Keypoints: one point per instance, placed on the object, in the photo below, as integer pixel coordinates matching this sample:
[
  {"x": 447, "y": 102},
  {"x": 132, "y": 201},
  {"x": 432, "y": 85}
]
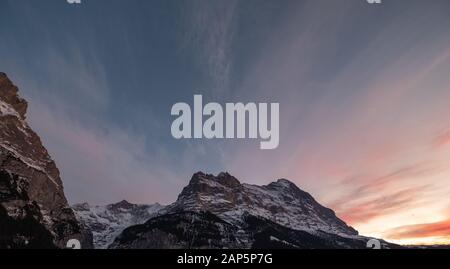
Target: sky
[{"x": 364, "y": 93}]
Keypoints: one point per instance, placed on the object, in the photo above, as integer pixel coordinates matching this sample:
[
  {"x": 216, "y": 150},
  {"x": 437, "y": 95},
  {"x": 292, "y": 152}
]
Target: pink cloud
[
  {"x": 365, "y": 211},
  {"x": 383, "y": 185},
  {"x": 438, "y": 229}
]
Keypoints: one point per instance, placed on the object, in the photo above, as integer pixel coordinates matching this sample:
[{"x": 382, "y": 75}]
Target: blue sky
[{"x": 363, "y": 92}]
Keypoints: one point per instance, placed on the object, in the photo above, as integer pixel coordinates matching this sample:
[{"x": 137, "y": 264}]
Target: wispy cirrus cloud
[
  {"x": 364, "y": 210},
  {"x": 370, "y": 197},
  {"x": 363, "y": 187},
  {"x": 210, "y": 27}
]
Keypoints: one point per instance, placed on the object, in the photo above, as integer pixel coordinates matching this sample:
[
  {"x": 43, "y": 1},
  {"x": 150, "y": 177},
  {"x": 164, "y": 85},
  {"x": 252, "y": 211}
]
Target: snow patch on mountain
[
  {"x": 7, "y": 110},
  {"x": 33, "y": 164}
]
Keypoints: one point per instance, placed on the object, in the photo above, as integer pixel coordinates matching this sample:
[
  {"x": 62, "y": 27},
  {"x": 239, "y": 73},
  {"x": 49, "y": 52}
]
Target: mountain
[
  {"x": 281, "y": 202},
  {"x": 107, "y": 222},
  {"x": 220, "y": 212},
  {"x": 204, "y": 230},
  {"x": 34, "y": 212}
]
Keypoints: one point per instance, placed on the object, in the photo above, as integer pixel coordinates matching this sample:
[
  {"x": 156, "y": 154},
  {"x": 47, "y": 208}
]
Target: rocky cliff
[{"x": 34, "y": 212}]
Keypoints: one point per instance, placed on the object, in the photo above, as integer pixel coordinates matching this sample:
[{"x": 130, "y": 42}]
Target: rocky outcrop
[{"x": 34, "y": 212}]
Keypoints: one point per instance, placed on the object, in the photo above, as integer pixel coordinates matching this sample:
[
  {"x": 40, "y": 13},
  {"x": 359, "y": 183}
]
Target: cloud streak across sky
[{"x": 363, "y": 94}]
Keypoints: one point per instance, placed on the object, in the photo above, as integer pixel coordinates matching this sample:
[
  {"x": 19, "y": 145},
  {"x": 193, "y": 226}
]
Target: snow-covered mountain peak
[{"x": 281, "y": 201}]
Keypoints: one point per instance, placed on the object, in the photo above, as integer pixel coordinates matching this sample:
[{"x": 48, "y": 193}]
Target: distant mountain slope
[
  {"x": 107, "y": 222},
  {"x": 34, "y": 212}
]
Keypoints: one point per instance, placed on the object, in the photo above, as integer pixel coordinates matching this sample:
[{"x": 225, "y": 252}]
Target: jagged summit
[
  {"x": 228, "y": 180},
  {"x": 200, "y": 181}
]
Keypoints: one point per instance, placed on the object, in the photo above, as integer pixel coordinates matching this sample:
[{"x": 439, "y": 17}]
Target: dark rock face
[{"x": 32, "y": 201}]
